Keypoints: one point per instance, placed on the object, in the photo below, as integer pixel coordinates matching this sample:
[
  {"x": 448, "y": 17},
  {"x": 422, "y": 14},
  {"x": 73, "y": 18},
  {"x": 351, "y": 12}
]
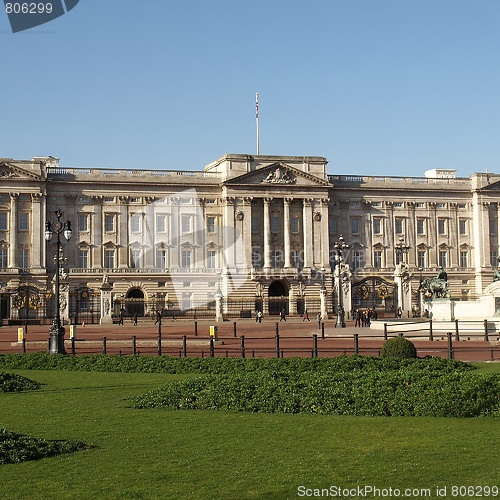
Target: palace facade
[{"x": 246, "y": 233}]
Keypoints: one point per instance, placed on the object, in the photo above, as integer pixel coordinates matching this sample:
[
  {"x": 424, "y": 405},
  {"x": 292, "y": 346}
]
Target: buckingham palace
[{"x": 244, "y": 234}]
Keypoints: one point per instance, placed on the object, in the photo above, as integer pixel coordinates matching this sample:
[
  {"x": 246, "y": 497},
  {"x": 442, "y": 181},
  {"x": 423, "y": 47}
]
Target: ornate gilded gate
[{"x": 375, "y": 293}]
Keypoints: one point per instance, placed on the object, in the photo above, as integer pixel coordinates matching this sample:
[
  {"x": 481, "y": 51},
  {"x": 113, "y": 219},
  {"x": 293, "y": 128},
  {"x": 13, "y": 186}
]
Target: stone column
[
  {"x": 106, "y": 309},
  {"x": 123, "y": 236},
  {"x": 267, "y": 233},
  {"x": 13, "y": 231},
  {"x": 246, "y": 230},
  {"x": 37, "y": 230},
  {"x": 307, "y": 232},
  {"x": 324, "y": 310},
  {"x": 325, "y": 234},
  {"x": 498, "y": 230},
  {"x": 286, "y": 231},
  {"x": 229, "y": 233},
  {"x": 98, "y": 229}
]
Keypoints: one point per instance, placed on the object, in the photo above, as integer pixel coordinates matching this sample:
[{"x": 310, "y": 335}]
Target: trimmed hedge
[
  {"x": 391, "y": 392},
  {"x": 16, "y": 448},
  {"x": 11, "y": 382},
  {"x": 398, "y": 348},
  {"x": 174, "y": 365}
]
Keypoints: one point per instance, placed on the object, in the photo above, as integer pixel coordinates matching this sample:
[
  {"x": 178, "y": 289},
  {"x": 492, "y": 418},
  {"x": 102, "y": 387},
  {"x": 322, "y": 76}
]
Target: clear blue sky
[{"x": 379, "y": 87}]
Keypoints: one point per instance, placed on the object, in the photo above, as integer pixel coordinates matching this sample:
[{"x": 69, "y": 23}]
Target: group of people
[{"x": 363, "y": 318}]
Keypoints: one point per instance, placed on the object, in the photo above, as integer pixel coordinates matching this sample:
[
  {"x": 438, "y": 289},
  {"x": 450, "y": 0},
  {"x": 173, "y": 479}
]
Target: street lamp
[
  {"x": 339, "y": 247},
  {"x": 401, "y": 250},
  {"x": 56, "y": 331}
]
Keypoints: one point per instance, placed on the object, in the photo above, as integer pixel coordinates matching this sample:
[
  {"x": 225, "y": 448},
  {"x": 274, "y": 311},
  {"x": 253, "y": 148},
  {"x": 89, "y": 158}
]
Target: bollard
[
  {"x": 457, "y": 332},
  {"x": 20, "y": 335},
  {"x": 159, "y": 343},
  {"x": 134, "y": 345},
  {"x": 234, "y": 329},
  {"x": 356, "y": 343},
  {"x": 431, "y": 336},
  {"x": 242, "y": 346},
  {"x": 277, "y": 328},
  {"x": 184, "y": 346},
  {"x": 73, "y": 351},
  {"x": 385, "y": 331},
  {"x": 450, "y": 346},
  {"x": 196, "y": 328},
  {"x": 72, "y": 331},
  {"x": 24, "y": 346},
  {"x": 212, "y": 350},
  {"x": 104, "y": 345},
  {"x": 315, "y": 346},
  {"x": 323, "y": 331},
  {"x": 277, "y": 343},
  {"x": 486, "y": 337}
]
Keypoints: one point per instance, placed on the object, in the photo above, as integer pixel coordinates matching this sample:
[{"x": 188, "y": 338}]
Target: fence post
[
  {"x": 315, "y": 346},
  {"x": 184, "y": 346},
  {"x": 234, "y": 329},
  {"x": 242, "y": 346},
  {"x": 73, "y": 346},
  {"x": 323, "y": 331},
  {"x": 212, "y": 351},
  {"x": 159, "y": 342},
  {"x": 385, "y": 331},
  {"x": 104, "y": 345},
  {"x": 277, "y": 328},
  {"x": 356, "y": 343},
  {"x": 431, "y": 336},
  {"x": 196, "y": 328},
  {"x": 457, "y": 332},
  {"x": 277, "y": 340},
  {"x": 134, "y": 345},
  {"x": 486, "y": 337},
  {"x": 24, "y": 345},
  {"x": 450, "y": 346}
]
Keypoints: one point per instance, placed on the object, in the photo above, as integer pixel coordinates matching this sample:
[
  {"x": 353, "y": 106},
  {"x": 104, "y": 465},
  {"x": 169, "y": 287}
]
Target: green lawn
[{"x": 202, "y": 454}]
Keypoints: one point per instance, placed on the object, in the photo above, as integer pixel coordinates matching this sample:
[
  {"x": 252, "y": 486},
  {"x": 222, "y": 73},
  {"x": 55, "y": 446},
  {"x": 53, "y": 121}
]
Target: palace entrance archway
[{"x": 277, "y": 296}]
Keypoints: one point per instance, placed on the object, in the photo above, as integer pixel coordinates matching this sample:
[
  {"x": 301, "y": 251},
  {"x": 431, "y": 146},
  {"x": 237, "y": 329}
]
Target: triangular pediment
[
  {"x": 494, "y": 186},
  {"x": 278, "y": 175},
  {"x": 11, "y": 171}
]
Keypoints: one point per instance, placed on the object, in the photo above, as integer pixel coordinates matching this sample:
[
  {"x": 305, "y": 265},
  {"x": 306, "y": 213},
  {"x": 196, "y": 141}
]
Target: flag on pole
[{"x": 256, "y": 105}]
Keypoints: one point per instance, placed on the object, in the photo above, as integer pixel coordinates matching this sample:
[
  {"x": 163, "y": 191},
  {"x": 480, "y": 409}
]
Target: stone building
[{"x": 246, "y": 233}]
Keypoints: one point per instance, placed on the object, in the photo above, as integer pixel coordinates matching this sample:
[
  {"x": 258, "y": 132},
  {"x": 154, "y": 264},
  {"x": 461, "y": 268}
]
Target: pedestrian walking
[
  {"x": 120, "y": 316},
  {"x": 305, "y": 316},
  {"x": 318, "y": 317},
  {"x": 357, "y": 317},
  {"x": 283, "y": 315},
  {"x": 135, "y": 319}
]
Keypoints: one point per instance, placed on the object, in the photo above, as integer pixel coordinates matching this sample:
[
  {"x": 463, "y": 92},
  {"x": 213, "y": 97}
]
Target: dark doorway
[
  {"x": 278, "y": 297},
  {"x": 135, "y": 302}
]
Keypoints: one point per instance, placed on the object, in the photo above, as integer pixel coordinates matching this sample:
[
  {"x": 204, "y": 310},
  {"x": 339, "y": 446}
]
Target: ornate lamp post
[
  {"x": 401, "y": 274},
  {"x": 401, "y": 250},
  {"x": 339, "y": 248},
  {"x": 56, "y": 331}
]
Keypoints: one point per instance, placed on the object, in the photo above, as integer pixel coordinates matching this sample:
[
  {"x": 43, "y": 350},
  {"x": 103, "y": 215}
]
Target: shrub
[
  {"x": 398, "y": 348},
  {"x": 11, "y": 382}
]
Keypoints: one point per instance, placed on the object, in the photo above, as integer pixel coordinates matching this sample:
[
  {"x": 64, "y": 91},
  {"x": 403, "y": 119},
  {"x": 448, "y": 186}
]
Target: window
[
  {"x": 295, "y": 260},
  {"x": 109, "y": 258},
  {"x": 357, "y": 259},
  {"x": 377, "y": 225},
  {"x": 399, "y": 225},
  {"x": 135, "y": 258},
  {"x": 462, "y": 226},
  {"x": 493, "y": 258},
  {"x": 355, "y": 225},
  {"x": 161, "y": 258},
  {"x": 493, "y": 225},
  {"x": 83, "y": 258},
  {"x": 255, "y": 224},
  {"x": 441, "y": 205},
  {"x": 24, "y": 221},
  {"x": 295, "y": 224},
  {"x": 186, "y": 259},
  {"x": 420, "y": 204},
  {"x": 255, "y": 258},
  {"x": 211, "y": 255},
  {"x": 420, "y": 226},
  {"x": 275, "y": 224},
  {"x": 211, "y": 224},
  {"x": 443, "y": 258},
  {"x": 276, "y": 258},
  {"x": 3, "y": 221},
  {"x": 24, "y": 258},
  {"x": 398, "y": 204},
  {"x": 161, "y": 223},
  {"x": 332, "y": 222},
  {"x": 3, "y": 258},
  {"x": 422, "y": 258},
  {"x": 83, "y": 222},
  {"x": 464, "y": 258},
  {"x": 109, "y": 223},
  {"x": 135, "y": 223},
  {"x": 377, "y": 259},
  {"x": 442, "y": 227},
  {"x": 186, "y": 224}
]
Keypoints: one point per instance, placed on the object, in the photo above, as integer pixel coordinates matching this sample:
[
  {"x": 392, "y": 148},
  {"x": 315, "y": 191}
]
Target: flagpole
[{"x": 257, "y": 119}]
